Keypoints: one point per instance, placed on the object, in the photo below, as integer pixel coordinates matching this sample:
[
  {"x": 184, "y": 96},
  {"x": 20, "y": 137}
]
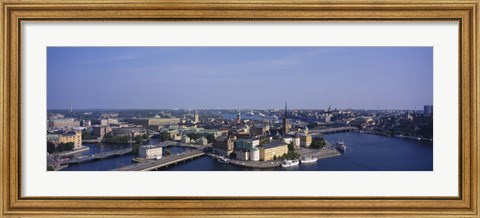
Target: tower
[
  {"x": 286, "y": 125},
  {"x": 239, "y": 118},
  {"x": 196, "y": 118}
]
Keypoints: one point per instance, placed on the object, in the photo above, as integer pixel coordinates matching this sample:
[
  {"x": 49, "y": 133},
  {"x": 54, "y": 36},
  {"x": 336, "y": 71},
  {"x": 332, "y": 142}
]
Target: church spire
[{"x": 286, "y": 127}]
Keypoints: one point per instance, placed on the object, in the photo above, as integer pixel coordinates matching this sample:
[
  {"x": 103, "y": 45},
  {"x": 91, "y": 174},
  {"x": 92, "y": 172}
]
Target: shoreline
[
  {"x": 317, "y": 153},
  {"x": 397, "y": 136}
]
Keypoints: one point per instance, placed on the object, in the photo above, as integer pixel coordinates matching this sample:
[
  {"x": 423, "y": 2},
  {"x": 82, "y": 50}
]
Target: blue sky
[{"x": 239, "y": 77}]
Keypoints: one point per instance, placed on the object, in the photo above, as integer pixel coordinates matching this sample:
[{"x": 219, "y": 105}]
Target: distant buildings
[
  {"x": 129, "y": 131},
  {"x": 150, "y": 152},
  {"x": 239, "y": 118},
  {"x": 132, "y": 131},
  {"x": 101, "y": 131},
  {"x": 55, "y": 116},
  {"x": 196, "y": 119},
  {"x": 153, "y": 123},
  {"x": 108, "y": 122},
  {"x": 259, "y": 129},
  {"x": 63, "y": 123},
  {"x": 428, "y": 109}
]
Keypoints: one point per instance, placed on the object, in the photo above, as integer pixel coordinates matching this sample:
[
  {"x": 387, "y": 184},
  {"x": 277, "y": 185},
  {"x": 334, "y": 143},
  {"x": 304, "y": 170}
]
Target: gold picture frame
[{"x": 14, "y": 13}]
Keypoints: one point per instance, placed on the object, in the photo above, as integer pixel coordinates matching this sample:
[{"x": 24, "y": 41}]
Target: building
[
  {"x": 150, "y": 152},
  {"x": 239, "y": 118},
  {"x": 224, "y": 145},
  {"x": 101, "y": 131},
  {"x": 196, "y": 118},
  {"x": 294, "y": 140},
  {"x": 53, "y": 138},
  {"x": 242, "y": 154},
  {"x": 428, "y": 109},
  {"x": 73, "y": 137},
  {"x": 63, "y": 123},
  {"x": 259, "y": 130},
  {"x": 108, "y": 122},
  {"x": 247, "y": 143},
  {"x": 272, "y": 149},
  {"x": 159, "y": 122},
  {"x": 202, "y": 141},
  {"x": 85, "y": 123},
  {"x": 129, "y": 131},
  {"x": 55, "y": 116},
  {"x": 305, "y": 139},
  {"x": 185, "y": 139},
  {"x": 254, "y": 154},
  {"x": 286, "y": 124}
]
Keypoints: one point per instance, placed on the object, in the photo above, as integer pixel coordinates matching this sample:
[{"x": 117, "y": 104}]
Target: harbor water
[{"x": 365, "y": 152}]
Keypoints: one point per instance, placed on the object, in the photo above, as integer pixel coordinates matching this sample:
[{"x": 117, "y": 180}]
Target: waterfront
[{"x": 366, "y": 152}]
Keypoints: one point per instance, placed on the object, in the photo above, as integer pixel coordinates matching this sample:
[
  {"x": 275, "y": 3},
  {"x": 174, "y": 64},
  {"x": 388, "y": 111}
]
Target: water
[
  {"x": 104, "y": 164},
  {"x": 365, "y": 152},
  {"x": 112, "y": 162}
]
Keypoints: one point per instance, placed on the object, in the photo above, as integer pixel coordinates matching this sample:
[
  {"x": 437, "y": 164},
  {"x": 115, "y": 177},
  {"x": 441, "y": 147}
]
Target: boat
[
  {"x": 308, "y": 159},
  {"x": 340, "y": 145},
  {"x": 223, "y": 160},
  {"x": 139, "y": 159},
  {"x": 290, "y": 163}
]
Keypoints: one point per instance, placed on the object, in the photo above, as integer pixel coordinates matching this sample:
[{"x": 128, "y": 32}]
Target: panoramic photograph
[{"x": 239, "y": 108}]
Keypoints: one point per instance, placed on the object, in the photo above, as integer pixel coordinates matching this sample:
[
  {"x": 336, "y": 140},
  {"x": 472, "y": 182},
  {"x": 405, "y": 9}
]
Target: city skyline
[{"x": 393, "y": 78}]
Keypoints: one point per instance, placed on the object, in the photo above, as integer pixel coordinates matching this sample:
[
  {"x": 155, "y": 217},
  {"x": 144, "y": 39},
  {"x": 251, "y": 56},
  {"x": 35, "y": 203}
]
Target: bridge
[
  {"x": 166, "y": 144},
  {"x": 163, "y": 162},
  {"x": 91, "y": 141},
  {"x": 333, "y": 130},
  {"x": 96, "y": 156}
]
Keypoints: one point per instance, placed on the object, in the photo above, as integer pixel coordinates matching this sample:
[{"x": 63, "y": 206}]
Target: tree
[
  {"x": 210, "y": 138},
  {"x": 194, "y": 136},
  {"x": 50, "y": 147},
  {"x": 65, "y": 147},
  {"x": 50, "y": 168},
  {"x": 164, "y": 136},
  {"x": 168, "y": 152},
  {"x": 135, "y": 149},
  {"x": 318, "y": 143},
  {"x": 275, "y": 157},
  {"x": 138, "y": 139},
  {"x": 291, "y": 147},
  {"x": 87, "y": 134}
]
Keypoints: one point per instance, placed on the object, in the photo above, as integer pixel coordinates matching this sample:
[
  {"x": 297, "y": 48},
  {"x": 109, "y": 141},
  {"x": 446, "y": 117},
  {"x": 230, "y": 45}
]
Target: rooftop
[{"x": 273, "y": 144}]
